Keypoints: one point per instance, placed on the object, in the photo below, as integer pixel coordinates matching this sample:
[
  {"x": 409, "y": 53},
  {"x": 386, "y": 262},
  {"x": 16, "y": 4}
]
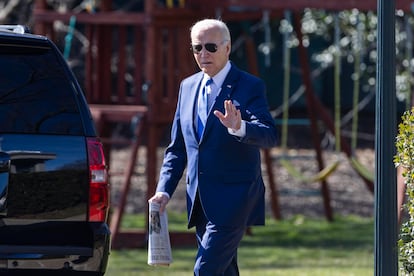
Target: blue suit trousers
[{"x": 217, "y": 247}]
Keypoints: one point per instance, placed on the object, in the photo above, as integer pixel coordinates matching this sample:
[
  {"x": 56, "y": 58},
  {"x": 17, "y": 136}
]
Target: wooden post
[{"x": 310, "y": 104}]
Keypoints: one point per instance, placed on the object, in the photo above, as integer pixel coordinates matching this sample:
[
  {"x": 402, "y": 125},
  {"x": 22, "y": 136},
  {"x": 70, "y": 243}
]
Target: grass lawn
[{"x": 292, "y": 247}]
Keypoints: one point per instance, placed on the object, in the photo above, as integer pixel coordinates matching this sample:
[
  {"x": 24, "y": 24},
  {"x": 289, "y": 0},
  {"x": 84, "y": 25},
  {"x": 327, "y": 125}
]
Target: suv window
[{"x": 35, "y": 96}]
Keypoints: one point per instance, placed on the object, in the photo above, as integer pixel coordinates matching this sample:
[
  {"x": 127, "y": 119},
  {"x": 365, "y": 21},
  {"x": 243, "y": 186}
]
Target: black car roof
[{"x": 10, "y": 35}]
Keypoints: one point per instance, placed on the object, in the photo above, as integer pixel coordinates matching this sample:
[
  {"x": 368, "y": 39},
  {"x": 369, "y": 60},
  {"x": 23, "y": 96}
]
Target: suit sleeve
[
  {"x": 260, "y": 127},
  {"x": 175, "y": 158}
]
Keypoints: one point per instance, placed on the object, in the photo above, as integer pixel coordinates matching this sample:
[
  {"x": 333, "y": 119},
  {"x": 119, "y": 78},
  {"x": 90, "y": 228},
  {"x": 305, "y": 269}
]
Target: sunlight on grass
[{"x": 292, "y": 247}]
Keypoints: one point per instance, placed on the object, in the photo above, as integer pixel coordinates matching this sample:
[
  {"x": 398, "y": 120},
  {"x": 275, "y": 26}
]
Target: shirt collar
[{"x": 220, "y": 76}]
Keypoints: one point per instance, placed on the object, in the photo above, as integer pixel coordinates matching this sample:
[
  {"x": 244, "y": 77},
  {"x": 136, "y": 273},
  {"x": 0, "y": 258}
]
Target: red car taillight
[{"x": 98, "y": 182}]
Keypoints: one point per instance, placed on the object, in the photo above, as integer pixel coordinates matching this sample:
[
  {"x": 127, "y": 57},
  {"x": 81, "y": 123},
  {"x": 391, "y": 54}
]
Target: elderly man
[{"x": 221, "y": 122}]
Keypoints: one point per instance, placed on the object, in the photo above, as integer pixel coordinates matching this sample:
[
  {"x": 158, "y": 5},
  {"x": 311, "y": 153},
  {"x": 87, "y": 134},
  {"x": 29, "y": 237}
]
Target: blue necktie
[{"x": 203, "y": 107}]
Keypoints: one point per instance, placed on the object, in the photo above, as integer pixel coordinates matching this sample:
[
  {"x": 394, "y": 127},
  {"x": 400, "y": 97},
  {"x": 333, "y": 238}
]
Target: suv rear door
[{"x": 45, "y": 177}]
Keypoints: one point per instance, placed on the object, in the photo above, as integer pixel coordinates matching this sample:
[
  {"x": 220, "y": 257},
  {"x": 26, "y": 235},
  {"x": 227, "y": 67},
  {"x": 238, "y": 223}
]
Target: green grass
[{"x": 292, "y": 247}]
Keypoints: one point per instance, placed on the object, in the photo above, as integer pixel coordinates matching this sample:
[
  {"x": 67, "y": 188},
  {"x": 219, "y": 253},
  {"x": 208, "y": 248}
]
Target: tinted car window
[{"x": 35, "y": 95}]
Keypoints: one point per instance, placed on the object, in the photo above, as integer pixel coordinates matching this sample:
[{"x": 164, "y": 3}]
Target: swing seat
[
  {"x": 361, "y": 170},
  {"x": 320, "y": 176}
]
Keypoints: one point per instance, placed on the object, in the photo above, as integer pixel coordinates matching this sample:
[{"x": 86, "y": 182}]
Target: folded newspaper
[{"x": 159, "y": 246}]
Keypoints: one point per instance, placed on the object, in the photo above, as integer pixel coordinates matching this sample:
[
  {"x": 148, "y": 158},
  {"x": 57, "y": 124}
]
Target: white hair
[{"x": 211, "y": 24}]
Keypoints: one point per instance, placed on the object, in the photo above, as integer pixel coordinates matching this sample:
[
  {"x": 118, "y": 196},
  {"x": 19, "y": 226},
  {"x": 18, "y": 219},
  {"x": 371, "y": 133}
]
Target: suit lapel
[
  {"x": 193, "y": 100},
  {"x": 227, "y": 89},
  {"x": 228, "y": 86}
]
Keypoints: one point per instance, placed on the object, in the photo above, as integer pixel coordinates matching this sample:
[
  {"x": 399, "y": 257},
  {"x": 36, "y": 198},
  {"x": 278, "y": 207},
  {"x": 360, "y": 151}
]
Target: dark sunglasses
[{"x": 211, "y": 47}]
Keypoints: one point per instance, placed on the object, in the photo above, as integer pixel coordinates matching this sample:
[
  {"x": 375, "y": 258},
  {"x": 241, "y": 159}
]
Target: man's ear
[{"x": 228, "y": 48}]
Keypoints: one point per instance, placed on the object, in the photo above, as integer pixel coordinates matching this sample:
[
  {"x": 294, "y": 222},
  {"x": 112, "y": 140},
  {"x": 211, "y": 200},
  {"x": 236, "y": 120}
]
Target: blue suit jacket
[{"x": 224, "y": 168}]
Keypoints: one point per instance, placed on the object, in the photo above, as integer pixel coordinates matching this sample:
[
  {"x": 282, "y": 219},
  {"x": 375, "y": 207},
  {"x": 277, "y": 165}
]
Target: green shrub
[{"x": 404, "y": 159}]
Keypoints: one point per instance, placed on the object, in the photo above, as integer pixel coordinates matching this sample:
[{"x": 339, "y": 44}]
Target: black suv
[{"x": 54, "y": 192}]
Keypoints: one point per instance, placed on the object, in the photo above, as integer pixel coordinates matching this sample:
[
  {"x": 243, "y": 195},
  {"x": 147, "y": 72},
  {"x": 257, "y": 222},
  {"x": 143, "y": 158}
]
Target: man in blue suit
[{"x": 220, "y": 147}]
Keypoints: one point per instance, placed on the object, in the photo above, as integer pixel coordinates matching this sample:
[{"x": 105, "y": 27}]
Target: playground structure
[{"x": 161, "y": 59}]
